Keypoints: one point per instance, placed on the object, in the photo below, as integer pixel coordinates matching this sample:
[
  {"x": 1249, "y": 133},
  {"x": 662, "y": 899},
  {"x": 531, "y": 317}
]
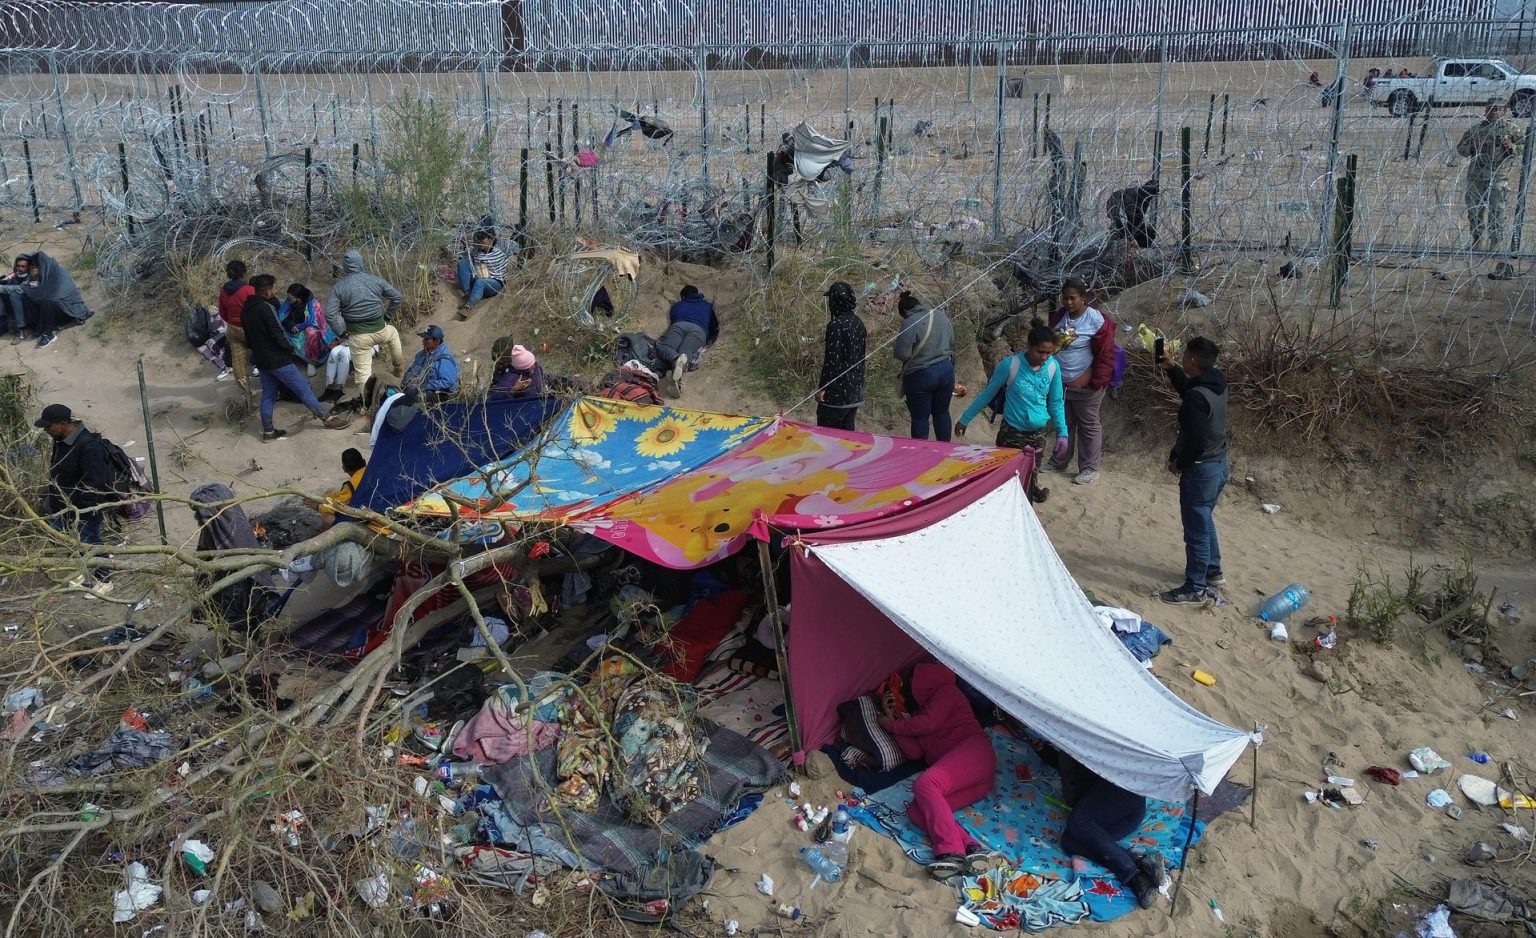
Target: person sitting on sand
[
  {"x": 482, "y": 271},
  {"x": 517, "y": 373},
  {"x": 21, "y": 276},
  {"x": 354, "y": 465},
  {"x": 273, "y": 355},
  {"x": 304, "y": 318},
  {"x": 1102, "y": 815},
  {"x": 434, "y": 372},
  {"x": 961, "y": 763}
]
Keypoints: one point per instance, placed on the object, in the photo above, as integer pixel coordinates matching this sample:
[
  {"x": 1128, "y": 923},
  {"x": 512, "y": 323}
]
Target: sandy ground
[{"x": 1301, "y": 872}]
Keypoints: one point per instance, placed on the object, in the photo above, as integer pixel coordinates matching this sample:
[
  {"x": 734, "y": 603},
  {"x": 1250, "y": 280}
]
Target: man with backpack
[{"x": 82, "y": 476}]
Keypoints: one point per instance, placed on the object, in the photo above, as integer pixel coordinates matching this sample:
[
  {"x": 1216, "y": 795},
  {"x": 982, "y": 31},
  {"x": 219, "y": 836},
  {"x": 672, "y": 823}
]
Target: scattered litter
[
  {"x": 1311, "y": 796},
  {"x": 1271, "y": 508},
  {"x": 1453, "y": 812},
  {"x": 140, "y": 894},
  {"x": 1426, "y": 760},
  {"x": 1410, "y": 774},
  {"x": 1370, "y": 843},
  {"x": 794, "y": 789},
  {"x": 765, "y": 884},
  {"x": 1216, "y": 910},
  {"x": 1509, "y": 713},
  {"x": 1439, "y": 798},
  {"x": 1474, "y": 667},
  {"x": 1340, "y": 781},
  {"x": 199, "y": 896},
  {"x": 253, "y": 922},
  {"x": 1194, "y": 299},
  {"x": 1278, "y": 632},
  {"x": 1202, "y": 677},
  {"x": 785, "y": 910},
  {"x": 28, "y": 698},
  {"x": 1480, "y": 853},
  {"x": 1480, "y": 791},
  {"x": 1328, "y": 639},
  {"x": 1481, "y": 758},
  {"x": 966, "y": 917},
  {"x": 1516, "y": 831},
  {"x": 265, "y": 897},
  {"x": 732, "y": 926},
  {"x": 1436, "y": 924},
  {"x": 197, "y": 855},
  {"x": 1385, "y": 774},
  {"x": 374, "y": 890},
  {"x": 1510, "y": 613}
]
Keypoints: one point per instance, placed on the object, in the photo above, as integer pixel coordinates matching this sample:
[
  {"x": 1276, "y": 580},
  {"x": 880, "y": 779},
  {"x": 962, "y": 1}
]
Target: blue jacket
[
  {"x": 700, "y": 312},
  {"x": 437, "y": 370},
  {"x": 1033, "y": 401}
]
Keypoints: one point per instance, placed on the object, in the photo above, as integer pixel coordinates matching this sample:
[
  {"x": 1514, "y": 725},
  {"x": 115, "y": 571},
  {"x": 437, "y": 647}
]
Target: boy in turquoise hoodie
[{"x": 1032, "y": 401}]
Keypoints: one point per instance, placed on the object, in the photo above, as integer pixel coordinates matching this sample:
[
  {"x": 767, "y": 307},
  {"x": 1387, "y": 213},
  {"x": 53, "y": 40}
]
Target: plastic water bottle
[
  {"x": 842, "y": 826},
  {"x": 1285, "y": 603},
  {"x": 822, "y": 865}
]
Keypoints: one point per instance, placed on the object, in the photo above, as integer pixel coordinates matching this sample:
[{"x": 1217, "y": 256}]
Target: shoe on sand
[
  {"x": 946, "y": 865},
  {"x": 337, "y": 422},
  {"x": 270, "y": 436},
  {"x": 1183, "y": 596},
  {"x": 1085, "y": 477}
]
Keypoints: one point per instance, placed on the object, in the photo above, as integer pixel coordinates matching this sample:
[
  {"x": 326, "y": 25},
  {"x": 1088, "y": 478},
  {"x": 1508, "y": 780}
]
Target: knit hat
[{"x": 521, "y": 359}]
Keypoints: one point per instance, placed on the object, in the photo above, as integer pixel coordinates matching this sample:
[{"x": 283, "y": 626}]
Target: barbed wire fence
[{"x": 171, "y": 112}]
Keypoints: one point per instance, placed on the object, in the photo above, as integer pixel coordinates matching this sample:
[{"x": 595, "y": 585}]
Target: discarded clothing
[
  {"x": 502, "y": 730},
  {"x": 1145, "y": 644},
  {"x": 125, "y": 748},
  {"x": 347, "y": 563},
  {"x": 224, "y": 526}
]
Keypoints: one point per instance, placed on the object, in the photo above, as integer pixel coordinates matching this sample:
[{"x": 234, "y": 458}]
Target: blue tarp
[{"x": 446, "y": 442}]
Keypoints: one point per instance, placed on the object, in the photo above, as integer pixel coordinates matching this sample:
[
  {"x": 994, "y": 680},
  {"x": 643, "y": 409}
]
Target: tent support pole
[
  {"x": 1178, "y": 883},
  {"x": 1253, "y": 799},
  {"x": 780, "y": 651}
]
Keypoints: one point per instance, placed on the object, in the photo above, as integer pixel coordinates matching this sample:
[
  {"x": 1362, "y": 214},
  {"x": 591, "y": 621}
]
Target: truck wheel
[
  {"x": 1521, "y": 103},
  {"x": 1401, "y": 103}
]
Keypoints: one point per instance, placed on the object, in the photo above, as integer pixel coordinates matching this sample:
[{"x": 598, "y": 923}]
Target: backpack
[
  {"x": 632, "y": 391},
  {"x": 128, "y": 480},
  {"x": 1000, "y": 399},
  {"x": 199, "y": 326}
]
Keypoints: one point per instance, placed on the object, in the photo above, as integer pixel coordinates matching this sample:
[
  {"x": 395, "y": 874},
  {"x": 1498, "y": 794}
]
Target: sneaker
[
  {"x": 19, "y": 338},
  {"x": 337, "y": 422},
  {"x": 1215, "y": 579},
  {"x": 225, "y": 375},
  {"x": 1153, "y": 866},
  {"x": 311, "y": 371},
  {"x": 46, "y": 340},
  {"x": 1085, "y": 477},
  {"x": 332, "y": 395},
  {"x": 1055, "y": 466},
  {"x": 1183, "y": 596},
  {"x": 268, "y": 436},
  {"x": 1145, "y": 890},
  {"x": 679, "y": 367},
  {"x": 946, "y": 865},
  {"x": 977, "y": 858}
]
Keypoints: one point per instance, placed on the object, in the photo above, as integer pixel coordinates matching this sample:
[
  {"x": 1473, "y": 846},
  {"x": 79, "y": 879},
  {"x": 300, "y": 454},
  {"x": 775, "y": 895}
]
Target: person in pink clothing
[{"x": 944, "y": 733}]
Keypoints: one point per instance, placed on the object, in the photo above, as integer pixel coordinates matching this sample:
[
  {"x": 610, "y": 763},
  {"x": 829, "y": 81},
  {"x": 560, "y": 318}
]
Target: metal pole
[
  {"x": 1413, "y": 115},
  {"x": 1157, "y": 131},
  {"x": 1210, "y": 118},
  {"x": 848, "y": 89},
  {"x": 26, "y": 153},
  {"x": 1186, "y": 227},
  {"x": 702, "y": 54},
  {"x": 355, "y": 150},
  {"x": 487, "y": 141},
  {"x": 1034, "y": 130},
  {"x": 1330, "y": 177},
  {"x": 549, "y": 180},
  {"x": 560, "y": 146},
  {"x": 970, "y": 71},
  {"x": 770, "y": 586},
  {"x": 771, "y": 212},
  {"x": 154, "y": 465},
  {"x": 1524, "y": 190},
  {"x": 1343, "y": 227},
  {"x": 576, "y": 150},
  {"x": 309, "y": 187},
  {"x": 1226, "y": 100},
  {"x": 261, "y": 110},
  {"x": 69, "y": 144},
  {"x": 522, "y": 192},
  {"x": 997, "y": 155},
  {"x": 122, "y": 163},
  {"x": 874, "y": 199}
]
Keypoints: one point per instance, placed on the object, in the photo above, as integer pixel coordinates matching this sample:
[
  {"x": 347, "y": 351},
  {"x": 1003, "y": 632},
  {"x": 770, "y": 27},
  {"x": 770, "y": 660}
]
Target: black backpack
[
  {"x": 128, "y": 480},
  {"x": 199, "y": 326}
]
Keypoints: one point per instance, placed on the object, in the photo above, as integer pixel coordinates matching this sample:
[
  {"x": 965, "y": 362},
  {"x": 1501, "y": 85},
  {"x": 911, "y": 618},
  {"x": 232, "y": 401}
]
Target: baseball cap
[
  {"x": 432, "y": 332},
  {"x": 52, "y": 414}
]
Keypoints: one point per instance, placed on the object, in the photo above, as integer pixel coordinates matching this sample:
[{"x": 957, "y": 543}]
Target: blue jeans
[
  {"x": 1101, "y": 817},
  {"x": 290, "y": 377},
  {"x": 928, "y": 391},
  {"x": 1199, "y": 487},
  {"x": 17, "y": 318},
  {"x": 89, "y": 533},
  {"x": 476, "y": 288}
]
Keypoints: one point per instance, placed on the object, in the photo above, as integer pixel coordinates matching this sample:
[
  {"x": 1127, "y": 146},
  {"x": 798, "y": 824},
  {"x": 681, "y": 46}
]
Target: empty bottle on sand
[
  {"x": 822, "y": 865},
  {"x": 1284, "y": 604}
]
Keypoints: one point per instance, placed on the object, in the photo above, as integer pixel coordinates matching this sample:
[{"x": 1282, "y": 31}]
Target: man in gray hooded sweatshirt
[{"x": 359, "y": 311}]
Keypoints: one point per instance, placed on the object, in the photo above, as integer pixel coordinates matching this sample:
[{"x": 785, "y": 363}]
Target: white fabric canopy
[{"x": 984, "y": 591}]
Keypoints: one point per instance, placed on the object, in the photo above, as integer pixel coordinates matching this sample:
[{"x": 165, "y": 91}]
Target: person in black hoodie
[
  {"x": 80, "y": 480},
  {"x": 841, "y": 389},
  {"x": 1199, "y": 459},
  {"x": 274, "y": 356}
]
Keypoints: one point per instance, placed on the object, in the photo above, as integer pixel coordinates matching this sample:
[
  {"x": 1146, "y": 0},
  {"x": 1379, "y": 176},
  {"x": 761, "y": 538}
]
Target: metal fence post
[
  {"x": 486, "y": 140},
  {"x": 770, "y": 212},
  {"x": 122, "y": 162},
  {"x": 26, "y": 154},
  {"x": 69, "y": 144},
  {"x": 261, "y": 110},
  {"x": 1186, "y": 223},
  {"x": 997, "y": 156},
  {"x": 1524, "y": 190},
  {"x": 701, "y": 53},
  {"x": 1341, "y": 248},
  {"x": 1331, "y": 176}
]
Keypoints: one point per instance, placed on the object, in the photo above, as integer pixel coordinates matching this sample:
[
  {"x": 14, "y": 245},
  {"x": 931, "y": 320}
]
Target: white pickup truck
[{"x": 1457, "y": 83}]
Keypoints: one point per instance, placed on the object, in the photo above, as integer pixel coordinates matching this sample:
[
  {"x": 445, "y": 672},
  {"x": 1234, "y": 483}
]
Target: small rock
[
  {"x": 1319, "y": 671},
  {"x": 1472, "y": 653},
  {"x": 1194, "y": 299},
  {"x": 1223, "y": 643},
  {"x": 266, "y": 897},
  {"x": 1480, "y": 853}
]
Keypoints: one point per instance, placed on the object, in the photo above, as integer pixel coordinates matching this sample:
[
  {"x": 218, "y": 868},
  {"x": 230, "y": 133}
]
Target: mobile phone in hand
[{"x": 1158, "y": 348}]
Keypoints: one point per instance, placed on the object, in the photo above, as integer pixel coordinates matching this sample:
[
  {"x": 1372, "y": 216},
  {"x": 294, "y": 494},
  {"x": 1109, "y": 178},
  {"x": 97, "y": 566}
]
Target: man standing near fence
[
  {"x": 358, "y": 312},
  {"x": 1490, "y": 147}
]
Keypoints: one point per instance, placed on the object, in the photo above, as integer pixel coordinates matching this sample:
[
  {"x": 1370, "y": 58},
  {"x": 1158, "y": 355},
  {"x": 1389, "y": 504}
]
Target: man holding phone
[{"x": 1199, "y": 459}]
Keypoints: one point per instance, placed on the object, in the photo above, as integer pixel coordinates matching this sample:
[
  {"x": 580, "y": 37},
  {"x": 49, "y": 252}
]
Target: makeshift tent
[
  {"x": 899, "y": 549},
  {"x": 444, "y": 442}
]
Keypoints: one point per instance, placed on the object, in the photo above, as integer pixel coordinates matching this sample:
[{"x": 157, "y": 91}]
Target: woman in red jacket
[
  {"x": 961, "y": 762},
  {"x": 1087, "y": 359}
]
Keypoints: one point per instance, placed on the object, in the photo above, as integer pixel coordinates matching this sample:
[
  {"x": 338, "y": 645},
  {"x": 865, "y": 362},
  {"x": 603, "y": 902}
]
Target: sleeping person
[{"x": 945, "y": 734}]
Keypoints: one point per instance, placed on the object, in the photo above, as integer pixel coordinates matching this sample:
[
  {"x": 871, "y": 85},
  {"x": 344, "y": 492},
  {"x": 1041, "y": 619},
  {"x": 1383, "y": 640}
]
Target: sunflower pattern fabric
[
  {"x": 595, "y": 451},
  {"x": 795, "y": 474}
]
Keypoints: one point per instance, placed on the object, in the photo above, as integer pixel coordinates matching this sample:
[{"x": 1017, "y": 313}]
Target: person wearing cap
[
  {"x": 517, "y": 373},
  {"x": 274, "y": 356},
  {"x": 80, "y": 477},
  {"x": 434, "y": 372},
  {"x": 840, "y": 392}
]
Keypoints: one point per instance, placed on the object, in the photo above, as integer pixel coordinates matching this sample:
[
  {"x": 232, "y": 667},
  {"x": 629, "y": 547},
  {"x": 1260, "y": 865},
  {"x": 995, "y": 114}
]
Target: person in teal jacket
[{"x": 1032, "y": 402}]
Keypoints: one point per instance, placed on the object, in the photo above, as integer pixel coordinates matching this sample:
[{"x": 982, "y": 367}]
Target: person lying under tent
[
  {"x": 1102, "y": 815},
  {"x": 961, "y": 763}
]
